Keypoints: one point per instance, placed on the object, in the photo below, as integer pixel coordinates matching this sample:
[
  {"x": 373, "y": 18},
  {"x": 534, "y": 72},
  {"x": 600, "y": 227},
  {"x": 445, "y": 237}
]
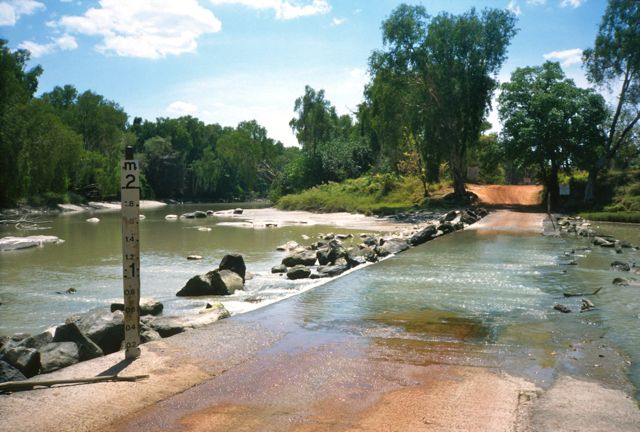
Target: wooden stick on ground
[{"x": 30, "y": 385}]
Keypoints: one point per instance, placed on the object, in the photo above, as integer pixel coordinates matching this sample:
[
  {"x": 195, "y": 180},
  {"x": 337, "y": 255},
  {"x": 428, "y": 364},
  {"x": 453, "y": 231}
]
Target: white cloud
[
  {"x": 338, "y": 21},
  {"x": 573, "y": 3},
  {"x": 144, "y": 28},
  {"x": 12, "y": 10},
  {"x": 514, "y": 8},
  {"x": 284, "y": 9},
  {"x": 567, "y": 57},
  {"x": 180, "y": 108},
  {"x": 63, "y": 43},
  {"x": 266, "y": 96},
  {"x": 536, "y": 2}
]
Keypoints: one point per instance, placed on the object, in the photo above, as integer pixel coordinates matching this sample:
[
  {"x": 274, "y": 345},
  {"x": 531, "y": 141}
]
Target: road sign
[{"x": 130, "y": 200}]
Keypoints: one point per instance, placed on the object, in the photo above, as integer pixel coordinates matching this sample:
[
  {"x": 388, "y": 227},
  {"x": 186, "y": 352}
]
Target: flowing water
[{"x": 472, "y": 297}]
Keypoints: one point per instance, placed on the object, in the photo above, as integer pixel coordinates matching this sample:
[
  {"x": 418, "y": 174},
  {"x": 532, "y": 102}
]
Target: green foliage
[
  {"x": 378, "y": 194},
  {"x": 549, "y": 123},
  {"x": 618, "y": 216},
  {"x": 614, "y": 62}
]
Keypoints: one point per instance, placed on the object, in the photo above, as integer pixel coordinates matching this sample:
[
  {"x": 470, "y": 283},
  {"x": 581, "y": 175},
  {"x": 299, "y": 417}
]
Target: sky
[{"x": 226, "y": 61}]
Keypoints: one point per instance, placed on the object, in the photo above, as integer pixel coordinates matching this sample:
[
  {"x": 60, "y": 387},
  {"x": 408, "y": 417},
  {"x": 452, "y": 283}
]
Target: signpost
[{"x": 130, "y": 200}]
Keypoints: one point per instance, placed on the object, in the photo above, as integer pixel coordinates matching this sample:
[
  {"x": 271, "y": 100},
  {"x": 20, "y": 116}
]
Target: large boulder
[
  {"x": 216, "y": 282},
  {"x": 169, "y": 326},
  {"x": 392, "y": 246},
  {"x": 298, "y": 272},
  {"x": 9, "y": 373},
  {"x": 323, "y": 255},
  {"x": 226, "y": 282},
  {"x": 305, "y": 258},
  {"x": 424, "y": 235},
  {"x": 36, "y": 341},
  {"x": 87, "y": 349},
  {"x": 336, "y": 251},
  {"x": 26, "y": 360},
  {"x": 58, "y": 355},
  {"x": 104, "y": 328},
  {"x": 148, "y": 306},
  {"x": 235, "y": 263}
]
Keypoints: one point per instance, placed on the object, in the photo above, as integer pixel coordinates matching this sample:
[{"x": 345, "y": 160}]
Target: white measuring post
[{"x": 130, "y": 200}]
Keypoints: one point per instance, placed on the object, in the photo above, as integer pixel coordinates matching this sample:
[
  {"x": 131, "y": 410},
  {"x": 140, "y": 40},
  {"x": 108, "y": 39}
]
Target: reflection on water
[{"x": 474, "y": 297}]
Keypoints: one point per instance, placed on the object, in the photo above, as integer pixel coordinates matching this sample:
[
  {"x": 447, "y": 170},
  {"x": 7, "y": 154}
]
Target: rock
[
  {"x": 37, "y": 341},
  {"x": 620, "y": 282},
  {"x": 26, "y": 360},
  {"x": 199, "y": 285},
  {"x": 171, "y": 217},
  {"x": 226, "y": 282},
  {"x": 468, "y": 217},
  {"x": 148, "y": 335},
  {"x": 306, "y": 258},
  {"x": 332, "y": 271},
  {"x": 14, "y": 243},
  {"x": 93, "y": 220},
  {"x": 238, "y": 211},
  {"x": 451, "y": 215},
  {"x": 562, "y": 308},
  {"x": 87, "y": 349},
  {"x": 344, "y": 236},
  {"x": 323, "y": 255},
  {"x": 194, "y": 215},
  {"x": 370, "y": 241},
  {"x": 279, "y": 269},
  {"x": 599, "y": 241},
  {"x": 194, "y": 257},
  {"x": 298, "y": 272},
  {"x": 392, "y": 246},
  {"x": 288, "y": 246},
  {"x": 9, "y": 373},
  {"x": 424, "y": 235},
  {"x": 336, "y": 251},
  {"x": 148, "y": 306},
  {"x": 216, "y": 282},
  {"x": 58, "y": 355},
  {"x": 482, "y": 212},
  {"x": 446, "y": 228},
  {"x": 235, "y": 263},
  {"x": 104, "y": 328},
  {"x": 329, "y": 236},
  {"x": 169, "y": 326},
  {"x": 587, "y": 305},
  {"x": 620, "y": 266}
]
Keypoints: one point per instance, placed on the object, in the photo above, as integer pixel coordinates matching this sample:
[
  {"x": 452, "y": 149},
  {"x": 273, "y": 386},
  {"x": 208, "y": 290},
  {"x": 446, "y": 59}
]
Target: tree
[
  {"x": 451, "y": 63},
  {"x": 316, "y": 120},
  {"x": 548, "y": 122},
  {"x": 17, "y": 86},
  {"x": 615, "y": 60}
]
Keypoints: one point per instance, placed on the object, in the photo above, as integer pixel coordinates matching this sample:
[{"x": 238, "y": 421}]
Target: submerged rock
[
  {"x": 14, "y": 243},
  {"x": 620, "y": 266},
  {"x": 298, "y": 272},
  {"x": 169, "y": 326},
  {"x": 562, "y": 308}
]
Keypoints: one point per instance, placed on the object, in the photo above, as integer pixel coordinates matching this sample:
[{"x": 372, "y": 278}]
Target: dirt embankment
[{"x": 507, "y": 195}]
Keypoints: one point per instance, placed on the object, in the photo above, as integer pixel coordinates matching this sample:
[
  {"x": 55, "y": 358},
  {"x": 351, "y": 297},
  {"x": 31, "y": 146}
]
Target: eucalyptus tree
[
  {"x": 548, "y": 122},
  {"x": 614, "y": 63},
  {"x": 450, "y": 65}
]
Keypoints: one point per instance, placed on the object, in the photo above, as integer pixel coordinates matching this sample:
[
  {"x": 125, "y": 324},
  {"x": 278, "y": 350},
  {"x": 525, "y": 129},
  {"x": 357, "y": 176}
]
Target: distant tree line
[{"x": 423, "y": 113}]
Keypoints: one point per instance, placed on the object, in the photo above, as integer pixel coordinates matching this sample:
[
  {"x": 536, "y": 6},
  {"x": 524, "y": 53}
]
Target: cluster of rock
[
  {"x": 89, "y": 335},
  {"x": 201, "y": 214},
  {"x": 583, "y": 228},
  {"x": 225, "y": 280},
  {"x": 329, "y": 257}
]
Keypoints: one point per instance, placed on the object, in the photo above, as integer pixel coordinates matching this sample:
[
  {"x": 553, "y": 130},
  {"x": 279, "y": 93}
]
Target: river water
[{"x": 472, "y": 297}]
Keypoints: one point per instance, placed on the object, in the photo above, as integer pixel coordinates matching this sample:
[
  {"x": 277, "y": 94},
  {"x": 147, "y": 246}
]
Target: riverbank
[{"x": 279, "y": 368}]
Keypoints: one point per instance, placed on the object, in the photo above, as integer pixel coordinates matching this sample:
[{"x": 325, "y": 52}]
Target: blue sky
[{"x": 225, "y": 61}]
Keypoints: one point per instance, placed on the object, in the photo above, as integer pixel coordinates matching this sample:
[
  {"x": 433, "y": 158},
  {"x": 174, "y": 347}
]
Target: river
[{"x": 483, "y": 298}]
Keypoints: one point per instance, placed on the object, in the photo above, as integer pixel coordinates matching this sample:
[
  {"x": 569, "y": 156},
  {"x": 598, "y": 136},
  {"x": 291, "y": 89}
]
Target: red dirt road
[{"x": 521, "y": 195}]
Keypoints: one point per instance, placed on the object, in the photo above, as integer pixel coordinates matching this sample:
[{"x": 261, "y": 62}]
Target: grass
[
  {"x": 371, "y": 194},
  {"x": 618, "y": 216}
]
